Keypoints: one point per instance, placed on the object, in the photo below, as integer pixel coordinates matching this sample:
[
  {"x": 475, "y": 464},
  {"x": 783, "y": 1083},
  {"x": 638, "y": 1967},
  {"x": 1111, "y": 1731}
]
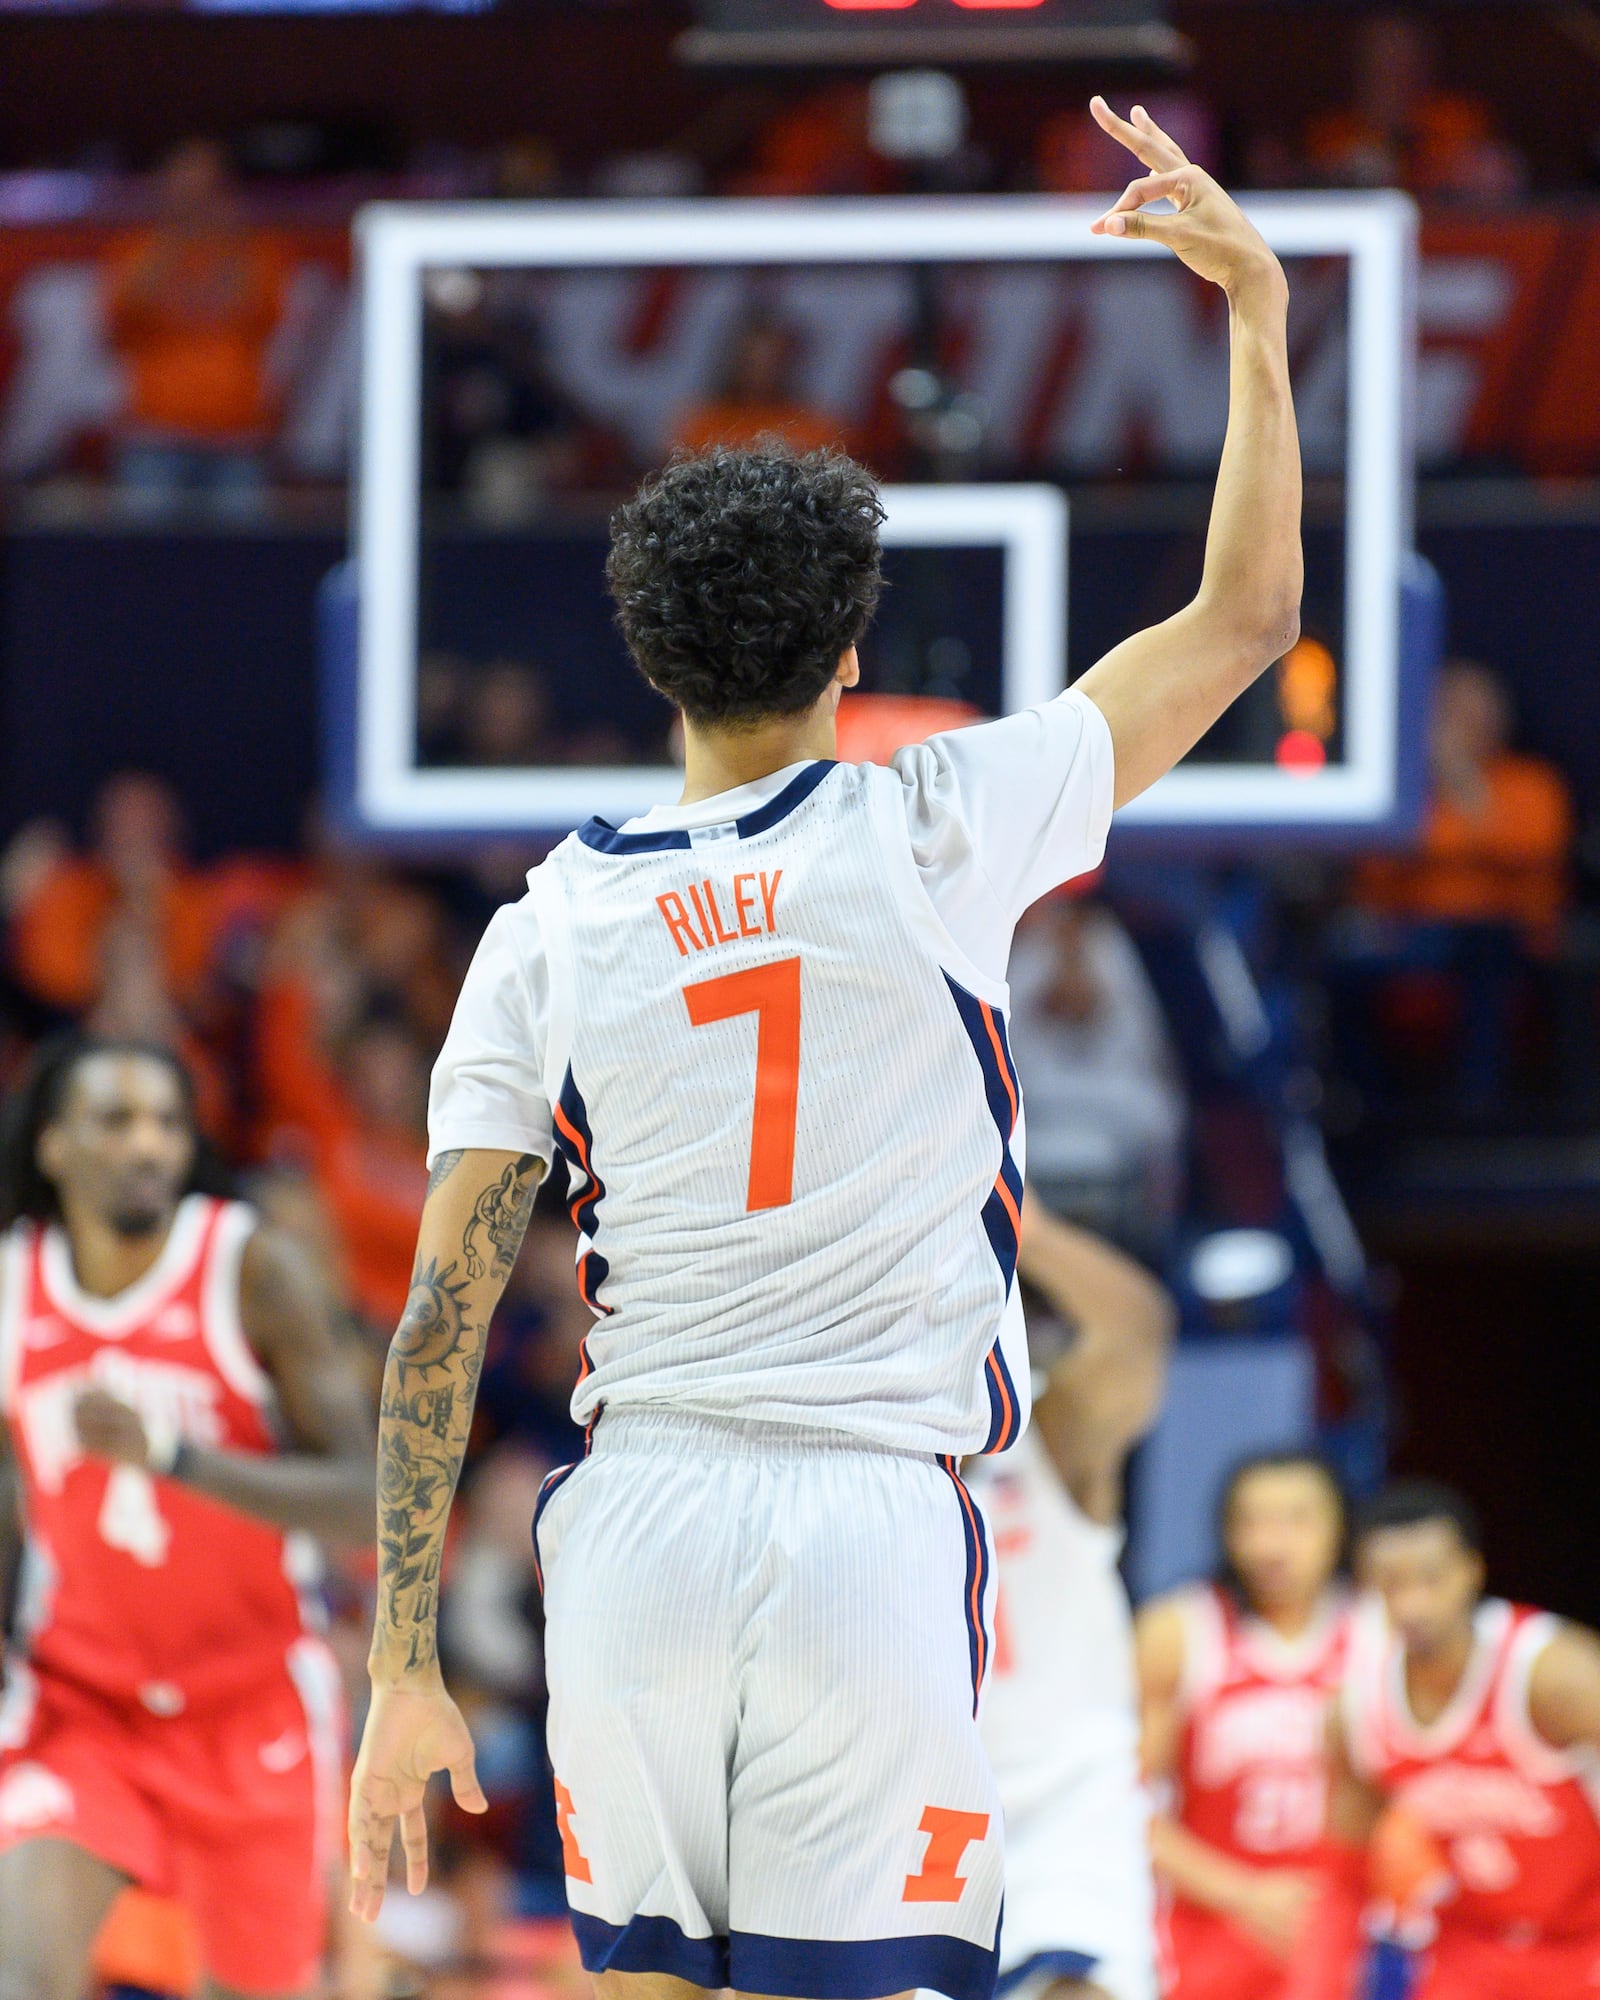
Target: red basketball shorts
[{"x": 232, "y": 1811}]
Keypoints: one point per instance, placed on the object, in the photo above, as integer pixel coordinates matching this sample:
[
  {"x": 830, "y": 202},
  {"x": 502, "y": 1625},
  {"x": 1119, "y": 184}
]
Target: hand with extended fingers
[
  {"x": 410, "y": 1734},
  {"x": 1207, "y": 229}
]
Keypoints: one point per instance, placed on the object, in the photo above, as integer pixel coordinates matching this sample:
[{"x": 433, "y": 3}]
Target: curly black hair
[{"x": 741, "y": 578}]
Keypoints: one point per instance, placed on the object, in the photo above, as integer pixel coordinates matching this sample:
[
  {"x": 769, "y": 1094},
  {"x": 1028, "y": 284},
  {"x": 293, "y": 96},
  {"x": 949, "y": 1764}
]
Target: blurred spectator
[
  {"x": 820, "y": 146},
  {"x": 506, "y": 720},
  {"x": 135, "y": 880},
  {"x": 1435, "y": 944},
  {"x": 1106, "y": 1110},
  {"x": 1403, "y": 130},
  {"x": 366, "y": 1134},
  {"x": 441, "y": 686},
  {"x": 501, "y": 435},
  {"x": 192, "y": 305},
  {"x": 356, "y": 998},
  {"x": 527, "y": 169},
  {"x": 756, "y": 398},
  {"x": 498, "y": 717},
  {"x": 1497, "y": 839}
]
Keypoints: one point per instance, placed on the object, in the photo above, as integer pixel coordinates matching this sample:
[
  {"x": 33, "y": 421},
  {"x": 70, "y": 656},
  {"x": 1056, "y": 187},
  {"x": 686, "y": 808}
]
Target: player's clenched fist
[
  {"x": 410, "y": 1734},
  {"x": 1208, "y": 230}
]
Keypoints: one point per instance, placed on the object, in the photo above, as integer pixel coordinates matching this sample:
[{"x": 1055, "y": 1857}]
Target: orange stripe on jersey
[
  {"x": 1000, "y": 1059},
  {"x": 1009, "y": 1420},
  {"x": 1009, "y": 1201},
  {"x": 575, "y": 1137}
]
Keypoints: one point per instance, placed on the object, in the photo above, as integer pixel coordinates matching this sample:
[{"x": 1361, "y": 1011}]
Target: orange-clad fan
[
  {"x": 1498, "y": 834},
  {"x": 192, "y": 304},
  {"x": 69, "y": 909}
]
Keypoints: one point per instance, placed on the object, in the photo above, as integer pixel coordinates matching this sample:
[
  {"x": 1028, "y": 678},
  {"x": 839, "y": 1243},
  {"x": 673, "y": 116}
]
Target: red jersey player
[
  {"x": 169, "y": 1719},
  {"x": 1480, "y": 1720},
  {"x": 1236, "y": 1682}
]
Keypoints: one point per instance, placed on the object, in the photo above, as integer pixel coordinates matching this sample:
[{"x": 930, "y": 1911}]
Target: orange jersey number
[{"x": 772, "y": 994}]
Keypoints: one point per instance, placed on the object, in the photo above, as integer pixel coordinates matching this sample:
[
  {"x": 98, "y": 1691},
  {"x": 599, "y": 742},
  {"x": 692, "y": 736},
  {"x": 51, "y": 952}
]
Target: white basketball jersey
[
  {"x": 1062, "y": 1698},
  {"x": 795, "y": 1135},
  {"x": 768, "y": 1034}
]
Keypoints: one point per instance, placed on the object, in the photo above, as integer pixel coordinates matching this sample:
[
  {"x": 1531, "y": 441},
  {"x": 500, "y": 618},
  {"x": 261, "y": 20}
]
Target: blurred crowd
[
  {"x": 308, "y": 996},
  {"x": 206, "y": 360}
]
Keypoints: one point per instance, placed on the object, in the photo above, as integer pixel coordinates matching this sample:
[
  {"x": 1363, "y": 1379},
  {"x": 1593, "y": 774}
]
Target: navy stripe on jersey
[
  {"x": 604, "y": 838},
  {"x": 795, "y": 793},
  {"x": 1002, "y": 1212},
  {"x": 601, "y": 835},
  {"x": 575, "y": 1143},
  {"x": 547, "y": 1492},
  {"x": 977, "y": 1580},
  {"x": 1003, "y": 1405}
]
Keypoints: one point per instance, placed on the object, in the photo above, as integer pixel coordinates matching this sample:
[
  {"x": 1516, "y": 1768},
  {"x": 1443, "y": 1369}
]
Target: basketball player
[
  {"x": 766, "y": 1029},
  {"x": 169, "y": 1720},
  {"x": 1061, "y": 1718},
  {"x": 1237, "y": 1680},
  {"x": 1480, "y": 1720}
]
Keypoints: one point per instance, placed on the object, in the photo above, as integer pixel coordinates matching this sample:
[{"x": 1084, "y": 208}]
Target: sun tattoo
[{"x": 429, "y": 1332}]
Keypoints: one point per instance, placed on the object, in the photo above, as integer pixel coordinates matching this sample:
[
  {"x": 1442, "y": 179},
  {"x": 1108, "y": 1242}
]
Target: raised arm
[
  {"x": 322, "y": 1483},
  {"x": 473, "y": 1221},
  {"x": 1106, "y": 1390},
  {"x": 1161, "y": 690}
]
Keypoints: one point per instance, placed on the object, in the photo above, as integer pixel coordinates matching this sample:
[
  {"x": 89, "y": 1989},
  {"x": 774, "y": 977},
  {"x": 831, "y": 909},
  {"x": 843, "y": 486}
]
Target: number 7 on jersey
[{"x": 772, "y": 994}]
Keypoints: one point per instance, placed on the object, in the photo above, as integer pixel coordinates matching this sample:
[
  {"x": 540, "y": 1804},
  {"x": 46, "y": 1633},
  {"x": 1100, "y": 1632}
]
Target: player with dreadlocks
[{"x": 178, "y": 1420}]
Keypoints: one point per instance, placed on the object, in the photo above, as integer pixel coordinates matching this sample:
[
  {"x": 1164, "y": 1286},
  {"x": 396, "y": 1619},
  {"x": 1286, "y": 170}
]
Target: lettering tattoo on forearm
[{"x": 429, "y": 1384}]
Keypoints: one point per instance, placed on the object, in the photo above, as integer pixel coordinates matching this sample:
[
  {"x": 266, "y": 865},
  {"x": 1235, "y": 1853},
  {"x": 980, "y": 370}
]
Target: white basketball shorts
[
  {"x": 1080, "y": 1903},
  {"x": 764, "y": 1652}
]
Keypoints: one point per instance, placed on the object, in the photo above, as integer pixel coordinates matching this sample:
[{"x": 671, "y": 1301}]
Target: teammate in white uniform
[
  {"x": 1061, "y": 1720},
  {"x": 766, "y": 1030}
]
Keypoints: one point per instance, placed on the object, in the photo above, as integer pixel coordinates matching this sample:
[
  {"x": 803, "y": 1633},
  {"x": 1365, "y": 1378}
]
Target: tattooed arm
[{"x": 472, "y": 1225}]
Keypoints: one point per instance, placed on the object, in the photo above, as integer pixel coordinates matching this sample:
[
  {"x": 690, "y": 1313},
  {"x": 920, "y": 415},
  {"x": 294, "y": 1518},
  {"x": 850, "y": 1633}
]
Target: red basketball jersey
[
  {"x": 1515, "y": 1817},
  {"x": 1252, "y": 1759},
  {"x": 133, "y": 1586}
]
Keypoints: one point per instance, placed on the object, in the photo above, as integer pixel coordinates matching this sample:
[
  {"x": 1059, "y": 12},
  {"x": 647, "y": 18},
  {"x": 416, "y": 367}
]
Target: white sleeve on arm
[
  {"x": 488, "y": 1084},
  {"x": 1003, "y": 812}
]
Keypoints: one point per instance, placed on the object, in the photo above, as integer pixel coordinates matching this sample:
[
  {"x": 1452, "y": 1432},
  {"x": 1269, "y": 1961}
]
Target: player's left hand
[
  {"x": 410, "y": 1734},
  {"x": 1207, "y": 230},
  {"x": 109, "y": 1428}
]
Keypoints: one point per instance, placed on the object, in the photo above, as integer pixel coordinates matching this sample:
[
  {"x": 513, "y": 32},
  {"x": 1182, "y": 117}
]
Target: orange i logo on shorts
[
  {"x": 572, "y": 1857},
  {"x": 950, "y": 1834}
]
